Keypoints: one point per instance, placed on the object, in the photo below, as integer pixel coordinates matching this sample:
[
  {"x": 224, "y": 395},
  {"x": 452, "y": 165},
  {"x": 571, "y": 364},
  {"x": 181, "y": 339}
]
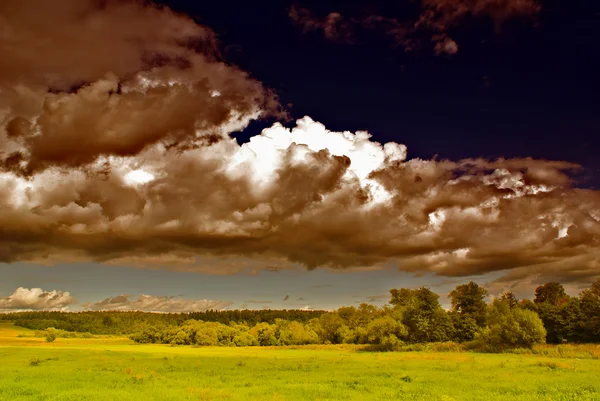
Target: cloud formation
[
  {"x": 83, "y": 80},
  {"x": 308, "y": 196},
  {"x": 149, "y": 303},
  {"x": 36, "y": 299},
  {"x": 435, "y": 20},
  {"x": 136, "y": 166}
]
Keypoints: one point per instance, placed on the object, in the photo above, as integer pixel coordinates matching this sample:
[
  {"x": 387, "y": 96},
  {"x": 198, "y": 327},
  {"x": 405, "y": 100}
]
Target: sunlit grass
[{"x": 117, "y": 369}]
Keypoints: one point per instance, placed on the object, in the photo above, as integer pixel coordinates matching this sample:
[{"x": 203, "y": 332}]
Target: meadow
[{"x": 112, "y": 368}]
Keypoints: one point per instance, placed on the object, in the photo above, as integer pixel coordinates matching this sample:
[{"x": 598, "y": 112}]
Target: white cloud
[
  {"x": 137, "y": 177},
  {"x": 36, "y": 299},
  {"x": 266, "y": 155}
]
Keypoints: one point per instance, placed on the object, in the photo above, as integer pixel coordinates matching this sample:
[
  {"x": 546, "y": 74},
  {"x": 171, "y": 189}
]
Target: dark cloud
[
  {"x": 83, "y": 79},
  {"x": 36, "y": 299},
  {"x": 435, "y": 20},
  {"x": 64, "y": 43},
  {"x": 149, "y": 303}
]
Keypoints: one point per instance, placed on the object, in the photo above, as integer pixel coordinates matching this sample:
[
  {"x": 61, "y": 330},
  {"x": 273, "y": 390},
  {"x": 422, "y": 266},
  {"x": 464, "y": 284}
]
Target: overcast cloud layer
[{"x": 125, "y": 157}]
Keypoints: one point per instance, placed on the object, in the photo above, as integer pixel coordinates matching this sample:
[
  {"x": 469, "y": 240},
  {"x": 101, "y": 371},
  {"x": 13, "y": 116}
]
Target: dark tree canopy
[
  {"x": 469, "y": 299},
  {"x": 552, "y": 293},
  {"x": 511, "y": 299}
]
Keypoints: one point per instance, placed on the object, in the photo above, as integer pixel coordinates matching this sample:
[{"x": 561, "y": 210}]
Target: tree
[
  {"x": 50, "y": 337},
  {"x": 295, "y": 333},
  {"x": 590, "y": 307},
  {"x": 513, "y": 327},
  {"x": 330, "y": 324},
  {"x": 386, "y": 331},
  {"x": 573, "y": 321},
  {"x": 401, "y": 297},
  {"x": 422, "y": 315},
  {"x": 244, "y": 340},
  {"x": 552, "y": 293},
  {"x": 468, "y": 299},
  {"x": 510, "y": 298},
  {"x": 265, "y": 334},
  {"x": 358, "y": 317},
  {"x": 557, "y": 311},
  {"x": 464, "y": 327},
  {"x": 553, "y": 322}
]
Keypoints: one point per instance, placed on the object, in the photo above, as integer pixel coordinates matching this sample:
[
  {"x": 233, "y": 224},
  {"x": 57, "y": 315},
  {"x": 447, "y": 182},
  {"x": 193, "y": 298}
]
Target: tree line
[
  {"x": 413, "y": 316},
  {"x": 125, "y": 323}
]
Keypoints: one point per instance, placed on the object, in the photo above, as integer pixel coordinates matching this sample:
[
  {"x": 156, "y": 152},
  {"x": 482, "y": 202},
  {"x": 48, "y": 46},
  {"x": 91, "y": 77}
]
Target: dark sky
[{"x": 528, "y": 89}]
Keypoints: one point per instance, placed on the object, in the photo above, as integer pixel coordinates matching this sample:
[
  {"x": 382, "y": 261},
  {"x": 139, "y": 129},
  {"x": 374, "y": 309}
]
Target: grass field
[{"x": 117, "y": 369}]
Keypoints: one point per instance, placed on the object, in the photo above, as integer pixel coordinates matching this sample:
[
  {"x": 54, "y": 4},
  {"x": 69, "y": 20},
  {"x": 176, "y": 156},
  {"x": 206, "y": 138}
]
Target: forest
[{"x": 412, "y": 316}]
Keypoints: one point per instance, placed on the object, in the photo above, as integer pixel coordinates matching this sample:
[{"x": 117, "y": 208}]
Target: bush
[
  {"x": 50, "y": 337},
  {"x": 245, "y": 340},
  {"x": 513, "y": 328},
  {"x": 387, "y": 332}
]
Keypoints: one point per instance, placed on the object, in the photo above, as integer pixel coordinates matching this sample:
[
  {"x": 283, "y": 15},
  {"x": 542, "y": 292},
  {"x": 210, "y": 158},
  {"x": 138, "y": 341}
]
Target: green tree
[
  {"x": 559, "y": 312},
  {"x": 422, "y": 315},
  {"x": 513, "y": 327},
  {"x": 401, "y": 297},
  {"x": 553, "y": 322},
  {"x": 295, "y": 333},
  {"x": 386, "y": 331},
  {"x": 468, "y": 299},
  {"x": 348, "y": 335},
  {"x": 590, "y": 308},
  {"x": 464, "y": 327},
  {"x": 265, "y": 334},
  {"x": 244, "y": 339},
  {"x": 330, "y": 324}
]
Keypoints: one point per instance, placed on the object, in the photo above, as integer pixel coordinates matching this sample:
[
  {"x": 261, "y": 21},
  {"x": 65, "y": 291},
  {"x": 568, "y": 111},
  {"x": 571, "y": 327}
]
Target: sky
[{"x": 174, "y": 155}]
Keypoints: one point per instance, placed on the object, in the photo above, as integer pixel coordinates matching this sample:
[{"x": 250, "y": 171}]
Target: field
[{"x": 118, "y": 369}]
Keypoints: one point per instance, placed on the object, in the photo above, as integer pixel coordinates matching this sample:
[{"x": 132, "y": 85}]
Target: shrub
[
  {"x": 513, "y": 328},
  {"x": 386, "y": 331},
  {"x": 244, "y": 340}
]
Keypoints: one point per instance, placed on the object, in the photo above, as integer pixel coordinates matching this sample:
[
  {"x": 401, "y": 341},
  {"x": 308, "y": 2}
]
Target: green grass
[{"x": 117, "y": 369}]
